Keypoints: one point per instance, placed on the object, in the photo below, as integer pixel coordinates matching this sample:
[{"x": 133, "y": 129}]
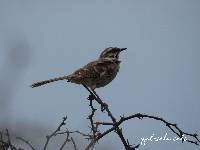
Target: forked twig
[
  {"x": 48, "y": 137},
  {"x": 104, "y": 106}
]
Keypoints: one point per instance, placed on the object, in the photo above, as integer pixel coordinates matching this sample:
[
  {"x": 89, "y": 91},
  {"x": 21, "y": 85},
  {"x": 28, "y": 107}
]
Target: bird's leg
[
  {"x": 94, "y": 92},
  {"x": 98, "y": 99},
  {"x": 92, "y": 95}
]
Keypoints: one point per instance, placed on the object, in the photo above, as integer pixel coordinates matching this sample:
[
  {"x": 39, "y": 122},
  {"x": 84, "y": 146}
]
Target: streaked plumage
[{"x": 95, "y": 74}]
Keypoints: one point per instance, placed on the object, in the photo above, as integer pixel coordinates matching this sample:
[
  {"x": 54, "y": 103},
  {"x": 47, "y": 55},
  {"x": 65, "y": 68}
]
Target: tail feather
[{"x": 40, "y": 83}]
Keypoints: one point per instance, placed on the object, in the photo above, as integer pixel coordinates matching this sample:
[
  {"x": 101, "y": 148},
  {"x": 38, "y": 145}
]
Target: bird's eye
[{"x": 115, "y": 55}]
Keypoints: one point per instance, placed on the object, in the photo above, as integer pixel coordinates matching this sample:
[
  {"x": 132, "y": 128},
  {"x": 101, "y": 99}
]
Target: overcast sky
[{"x": 159, "y": 73}]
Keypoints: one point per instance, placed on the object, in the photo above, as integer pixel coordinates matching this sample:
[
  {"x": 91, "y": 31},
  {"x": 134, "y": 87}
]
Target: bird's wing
[{"x": 91, "y": 71}]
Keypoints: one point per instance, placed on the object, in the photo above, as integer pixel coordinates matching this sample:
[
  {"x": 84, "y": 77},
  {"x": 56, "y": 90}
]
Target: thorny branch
[
  {"x": 115, "y": 125},
  {"x": 48, "y": 137},
  {"x": 6, "y": 144},
  {"x": 58, "y": 132},
  {"x": 90, "y": 117},
  {"x": 104, "y": 106},
  {"x": 171, "y": 126}
]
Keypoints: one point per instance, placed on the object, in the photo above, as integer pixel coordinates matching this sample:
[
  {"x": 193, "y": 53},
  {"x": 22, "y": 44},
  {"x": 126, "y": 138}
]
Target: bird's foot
[
  {"x": 91, "y": 97},
  {"x": 103, "y": 106}
]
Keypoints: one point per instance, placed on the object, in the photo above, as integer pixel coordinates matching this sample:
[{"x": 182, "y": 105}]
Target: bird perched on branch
[{"x": 95, "y": 74}]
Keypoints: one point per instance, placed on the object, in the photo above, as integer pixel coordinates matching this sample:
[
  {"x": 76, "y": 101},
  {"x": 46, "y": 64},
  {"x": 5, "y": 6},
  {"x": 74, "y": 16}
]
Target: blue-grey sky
[{"x": 159, "y": 73}]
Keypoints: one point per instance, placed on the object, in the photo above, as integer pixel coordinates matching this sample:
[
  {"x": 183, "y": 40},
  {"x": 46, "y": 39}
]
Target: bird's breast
[{"x": 108, "y": 74}]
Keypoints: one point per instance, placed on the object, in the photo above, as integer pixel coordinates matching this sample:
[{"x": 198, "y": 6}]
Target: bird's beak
[{"x": 122, "y": 49}]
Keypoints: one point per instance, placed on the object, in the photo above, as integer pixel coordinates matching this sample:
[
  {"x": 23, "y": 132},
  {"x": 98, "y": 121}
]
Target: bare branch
[
  {"x": 65, "y": 142},
  {"x": 75, "y": 148},
  {"x": 90, "y": 117},
  {"x": 115, "y": 125},
  {"x": 25, "y": 141},
  {"x": 104, "y": 106},
  {"x": 173, "y": 127},
  {"x": 48, "y": 137},
  {"x": 6, "y": 144}
]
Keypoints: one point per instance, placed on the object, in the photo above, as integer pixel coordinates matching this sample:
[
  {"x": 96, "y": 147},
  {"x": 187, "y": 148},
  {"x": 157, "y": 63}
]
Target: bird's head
[{"x": 111, "y": 52}]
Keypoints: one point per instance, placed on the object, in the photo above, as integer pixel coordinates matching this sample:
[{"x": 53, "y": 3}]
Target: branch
[
  {"x": 115, "y": 125},
  {"x": 104, "y": 106},
  {"x": 75, "y": 148},
  {"x": 90, "y": 117},
  {"x": 65, "y": 142},
  {"x": 5, "y": 145},
  {"x": 67, "y": 132},
  {"x": 81, "y": 133},
  {"x": 172, "y": 126},
  {"x": 48, "y": 137},
  {"x": 25, "y": 141}
]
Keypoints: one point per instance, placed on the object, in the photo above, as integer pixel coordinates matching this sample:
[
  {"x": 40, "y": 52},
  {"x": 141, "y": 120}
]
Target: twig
[
  {"x": 48, "y": 137},
  {"x": 75, "y": 148},
  {"x": 1, "y": 139},
  {"x": 171, "y": 126},
  {"x": 90, "y": 117},
  {"x": 104, "y": 106},
  {"x": 115, "y": 125},
  {"x": 65, "y": 142},
  {"x": 25, "y": 141},
  {"x": 12, "y": 147},
  {"x": 67, "y": 132},
  {"x": 4, "y": 145},
  {"x": 8, "y": 137},
  {"x": 104, "y": 123},
  {"x": 118, "y": 130},
  {"x": 81, "y": 133}
]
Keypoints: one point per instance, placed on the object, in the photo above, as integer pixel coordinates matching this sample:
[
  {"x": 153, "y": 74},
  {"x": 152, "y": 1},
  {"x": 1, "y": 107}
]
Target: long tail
[{"x": 40, "y": 83}]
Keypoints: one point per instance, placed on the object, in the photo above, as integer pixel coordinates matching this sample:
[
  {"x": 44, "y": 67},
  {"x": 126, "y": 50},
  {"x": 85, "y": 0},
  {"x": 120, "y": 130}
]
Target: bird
[{"x": 95, "y": 74}]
